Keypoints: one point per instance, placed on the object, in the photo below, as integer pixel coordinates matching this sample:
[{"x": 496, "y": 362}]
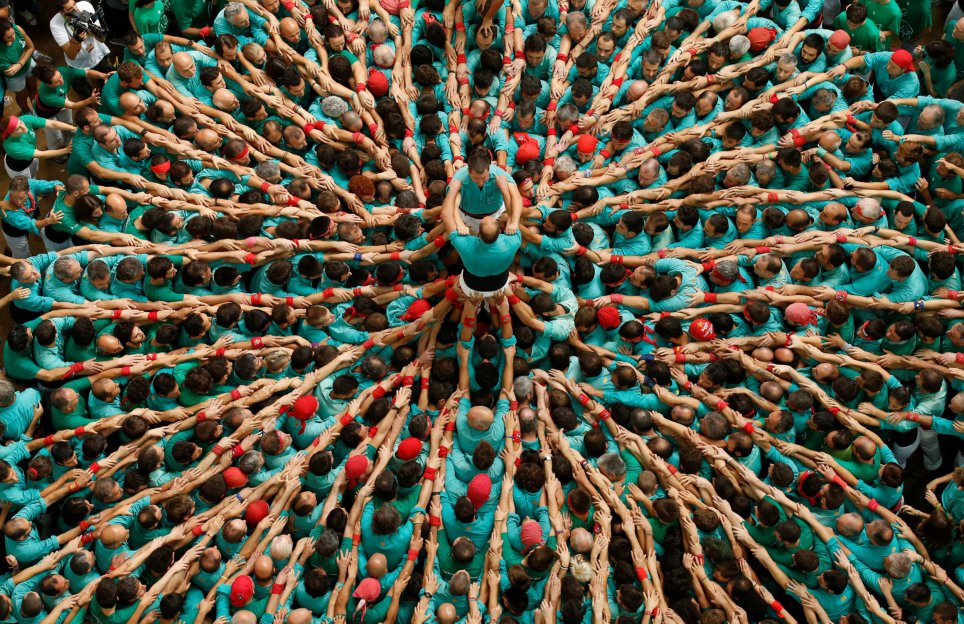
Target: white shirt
[{"x": 91, "y": 50}]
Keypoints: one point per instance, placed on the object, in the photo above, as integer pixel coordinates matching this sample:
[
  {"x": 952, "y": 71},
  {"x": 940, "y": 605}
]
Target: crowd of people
[{"x": 545, "y": 312}]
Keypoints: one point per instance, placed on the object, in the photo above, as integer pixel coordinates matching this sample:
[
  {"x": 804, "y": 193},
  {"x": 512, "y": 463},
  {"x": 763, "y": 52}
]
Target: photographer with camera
[{"x": 80, "y": 34}]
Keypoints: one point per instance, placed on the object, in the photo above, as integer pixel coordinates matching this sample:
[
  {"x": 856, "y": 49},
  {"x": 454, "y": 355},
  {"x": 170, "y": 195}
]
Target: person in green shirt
[
  {"x": 20, "y": 143},
  {"x": 52, "y": 101},
  {"x": 16, "y": 61},
  {"x": 150, "y": 16},
  {"x": 864, "y": 34},
  {"x": 886, "y": 14},
  {"x": 937, "y": 68}
]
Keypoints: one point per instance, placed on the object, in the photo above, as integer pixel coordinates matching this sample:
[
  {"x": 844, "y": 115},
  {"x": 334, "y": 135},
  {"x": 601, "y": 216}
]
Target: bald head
[
  {"x": 289, "y": 29},
  {"x": 113, "y": 535},
  {"x": 184, "y": 65},
  {"x": 771, "y": 391},
  {"x": 131, "y": 103},
  {"x": 210, "y": 559},
  {"x": 244, "y": 617},
  {"x": 263, "y": 567},
  {"x": 377, "y": 566},
  {"x": 580, "y": 540},
  {"x": 115, "y": 203},
  {"x": 480, "y": 418},
  {"x": 299, "y": 616},
  {"x": 207, "y": 139},
  {"x": 234, "y": 530},
  {"x": 764, "y": 354},
  {"x": 825, "y": 372},
  {"x": 225, "y": 100},
  {"x": 488, "y": 230},
  {"x": 109, "y": 345},
  {"x": 850, "y": 524},
  {"x": 446, "y": 613},
  {"x": 783, "y": 355},
  {"x": 957, "y": 403},
  {"x": 636, "y": 90},
  {"x": 351, "y": 121}
]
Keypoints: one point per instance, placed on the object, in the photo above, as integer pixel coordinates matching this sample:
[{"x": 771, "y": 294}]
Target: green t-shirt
[
  {"x": 54, "y": 97},
  {"x": 10, "y": 54},
  {"x": 151, "y": 18},
  {"x": 23, "y": 147}
]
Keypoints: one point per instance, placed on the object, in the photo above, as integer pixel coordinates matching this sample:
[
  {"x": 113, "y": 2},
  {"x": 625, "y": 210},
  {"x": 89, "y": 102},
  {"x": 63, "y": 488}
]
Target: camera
[{"x": 86, "y": 22}]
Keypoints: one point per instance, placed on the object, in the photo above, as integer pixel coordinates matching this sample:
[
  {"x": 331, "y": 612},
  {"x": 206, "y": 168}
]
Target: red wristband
[
  {"x": 412, "y": 554},
  {"x": 197, "y": 530},
  {"x": 710, "y": 297},
  {"x": 872, "y": 505},
  {"x": 257, "y": 342},
  {"x": 513, "y": 299},
  {"x": 116, "y": 314},
  {"x": 721, "y": 405},
  {"x": 235, "y": 394},
  {"x": 94, "y": 467},
  {"x": 125, "y": 371},
  {"x": 748, "y": 427}
]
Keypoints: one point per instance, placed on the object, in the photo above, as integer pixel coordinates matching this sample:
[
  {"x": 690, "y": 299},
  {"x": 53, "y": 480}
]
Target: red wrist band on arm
[
  {"x": 430, "y": 473},
  {"x": 412, "y": 554},
  {"x": 451, "y": 296},
  {"x": 841, "y": 237},
  {"x": 197, "y": 530},
  {"x": 604, "y": 414},
  {"x": 655, "y": 151},
  {"x": 721, "y": 405},
  {"x": 617, "y": 82},
  {"x": 49, "y": 440},
  {"x": 94, "y": 467},
  {"x": 836, "y": 479},
  {"x": 873, "y": 504},
  {"x": 513, "y": 299},
  {"x": 346, "y": 419},
  {"x": 378, "y": 392},
  {"x": 426, "y": 382},
  {"x": 583, "y": 399},
  {"x": 641, "y": 574},
  {"x": 220, "y": 351},
  {"x": 235, "y": 394},
  {"x": 257, "y": 342},
  {"x": 959, "y": 358},
  {"x": 772, "y": 198},
  {"x": 264, "y": 187},
  {"x": 617, "y": 298},
  {"x": 748, "y": 427},
  {"x": 450, "y": 426},
  {"x": 710, "y": 297},
  {"x": 125, "y": 371},
  {"x": 434, "y": 521},
  {"x": 115, "y": 314},
  {"x": 83, "y": 525},
  {"x": 368, "y": 344},
  {"x": 87, "y": 538},
  {"x": 912, "y": 241},
  {"x": 307, "y": 128},
  {"x": 237, "y": 450},
  {"x": 79, "y": 431},
  {"x": 953, "y": 295}
]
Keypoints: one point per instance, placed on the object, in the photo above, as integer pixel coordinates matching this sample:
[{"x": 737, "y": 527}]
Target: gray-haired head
[{"x": 334, "y": 106}]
